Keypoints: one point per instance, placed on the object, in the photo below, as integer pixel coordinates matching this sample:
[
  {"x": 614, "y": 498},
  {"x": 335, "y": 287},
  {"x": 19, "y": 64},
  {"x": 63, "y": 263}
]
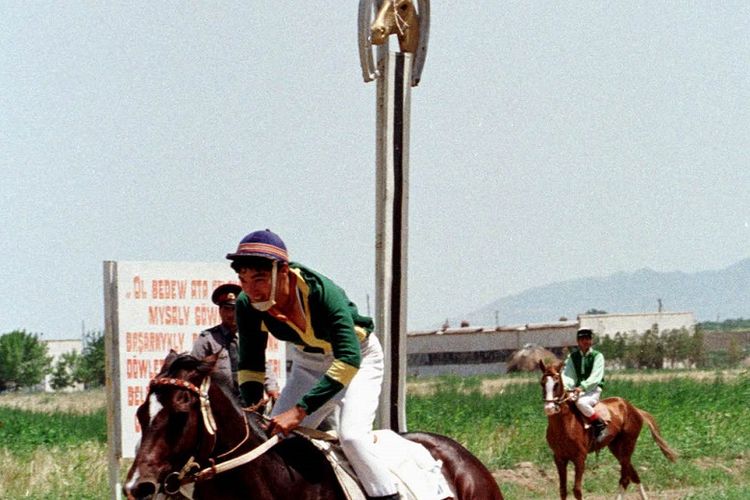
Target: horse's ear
[
  {"x": 542, "y": 366},
  {"x": 559, "y": 366},
  {"x": 168, "y": 360}
]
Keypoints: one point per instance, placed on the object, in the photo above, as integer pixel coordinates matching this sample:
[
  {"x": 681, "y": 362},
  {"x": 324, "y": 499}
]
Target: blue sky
[{"x": 548, "y": 142}]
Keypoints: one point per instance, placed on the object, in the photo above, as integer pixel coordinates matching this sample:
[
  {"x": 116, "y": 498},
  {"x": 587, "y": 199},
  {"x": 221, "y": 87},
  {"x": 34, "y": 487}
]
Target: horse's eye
[
  {"x": 403, "y": 6},
  {"x": 177, "y": 423}
]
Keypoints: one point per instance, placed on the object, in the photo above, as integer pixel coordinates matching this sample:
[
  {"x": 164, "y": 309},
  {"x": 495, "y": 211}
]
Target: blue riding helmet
[{"x": 263, "y": 243}]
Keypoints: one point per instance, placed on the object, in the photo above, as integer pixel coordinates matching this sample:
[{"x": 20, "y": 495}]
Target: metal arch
[
  {"x": 424, "y": 37},
  {"x": 369, "y": 69},
  {"x": 368, "y": 61}
]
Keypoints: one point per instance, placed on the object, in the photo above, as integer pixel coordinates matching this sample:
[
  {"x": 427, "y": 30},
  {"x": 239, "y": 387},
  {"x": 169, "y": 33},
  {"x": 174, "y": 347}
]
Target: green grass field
[
  {"x": 707, "y": 421},
  {"x": 55, "y": 450},
  {"x": 52, "y": 454}
]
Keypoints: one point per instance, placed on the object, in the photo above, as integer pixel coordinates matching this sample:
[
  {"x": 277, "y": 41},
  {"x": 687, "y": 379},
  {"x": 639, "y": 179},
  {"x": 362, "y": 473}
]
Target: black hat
[
  {"x": 226, "y": 294},
  {"x": 584, "y": 333}
]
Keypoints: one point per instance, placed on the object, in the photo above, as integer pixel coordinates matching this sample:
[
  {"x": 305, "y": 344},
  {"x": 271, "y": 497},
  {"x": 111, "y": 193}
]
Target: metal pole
[
  {"x": 391, "y": 242},
  {"x": 396, "y": 73}
]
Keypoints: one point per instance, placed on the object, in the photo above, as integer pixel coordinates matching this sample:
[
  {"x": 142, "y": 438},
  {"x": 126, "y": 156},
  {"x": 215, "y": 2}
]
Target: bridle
[
  {"x": 191, "y": 472},
  {"x": 563, "y": 398},
  {"x": 202, "y": 393}
]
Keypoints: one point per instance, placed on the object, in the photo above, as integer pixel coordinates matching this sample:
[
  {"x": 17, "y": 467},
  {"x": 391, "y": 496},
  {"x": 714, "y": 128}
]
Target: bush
[
  {"x": 63, "y": 374},
  {"x": 23, "y": 360},
  {"x": 651, "y": 349},
  {"x": 90, "y": 368}
]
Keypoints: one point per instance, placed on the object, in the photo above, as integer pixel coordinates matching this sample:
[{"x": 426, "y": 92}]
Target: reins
[
  {"x": 566, "y": 396},
  {"x": 562, "y": 399}
]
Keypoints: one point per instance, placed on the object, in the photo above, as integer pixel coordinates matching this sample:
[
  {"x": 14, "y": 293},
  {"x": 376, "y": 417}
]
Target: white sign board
[{"x": 150, "y": 308}]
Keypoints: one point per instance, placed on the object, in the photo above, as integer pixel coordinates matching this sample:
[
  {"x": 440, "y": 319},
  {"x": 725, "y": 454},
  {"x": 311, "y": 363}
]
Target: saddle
[
  {"x": 603, "y": 412},
  {"x": 418, "y": 475},
  {"x": 599, "y": 408}
]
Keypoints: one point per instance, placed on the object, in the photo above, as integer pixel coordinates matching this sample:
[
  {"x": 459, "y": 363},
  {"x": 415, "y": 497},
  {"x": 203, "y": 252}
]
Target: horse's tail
[{"x": 654, "y": 428}]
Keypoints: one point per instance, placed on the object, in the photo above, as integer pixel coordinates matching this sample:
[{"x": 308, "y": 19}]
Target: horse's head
[
  {"x": 172, "y": 423},
  {"x": 397, "y": 17},
  {"x": 553, "y": 391}
]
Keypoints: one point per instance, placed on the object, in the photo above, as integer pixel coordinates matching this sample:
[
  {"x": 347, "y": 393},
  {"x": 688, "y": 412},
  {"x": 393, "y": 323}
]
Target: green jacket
[
  {"x": 334, "y": 326},
  {"x": 583, "y": 370}
]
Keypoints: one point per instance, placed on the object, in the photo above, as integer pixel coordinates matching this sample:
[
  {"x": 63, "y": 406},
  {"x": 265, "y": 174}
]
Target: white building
[
  {"x": 610, "y": 324},
  {"x": 475, "y": 350},
  {"x": 55, "y": 349}
]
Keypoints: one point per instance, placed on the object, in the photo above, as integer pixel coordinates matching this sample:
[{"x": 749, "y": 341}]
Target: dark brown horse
[
  {"x": 190, "y": 426},
  {"x": 570, "y": 441}
]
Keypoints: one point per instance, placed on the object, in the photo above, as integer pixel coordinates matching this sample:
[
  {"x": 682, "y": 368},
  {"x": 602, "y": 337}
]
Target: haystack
[{"x": 527, "y": 358}]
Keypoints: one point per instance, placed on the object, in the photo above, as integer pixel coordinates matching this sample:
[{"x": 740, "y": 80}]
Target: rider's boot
[{"x": 600, "y": 429}]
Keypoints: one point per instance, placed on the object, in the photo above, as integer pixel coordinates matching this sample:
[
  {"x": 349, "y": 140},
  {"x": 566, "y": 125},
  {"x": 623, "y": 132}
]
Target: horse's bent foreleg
[
  {"x": 623, "y": 448},
  {"x": 627, "y": 473},
  {"x": 562, "y": 474}
]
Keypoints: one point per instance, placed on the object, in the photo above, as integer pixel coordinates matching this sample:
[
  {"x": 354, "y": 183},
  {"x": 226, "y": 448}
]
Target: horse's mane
[
  {"x": 254, "y": 421},
  {"x": 175, "y": 363},
  {"x": 554, "y": 368}
]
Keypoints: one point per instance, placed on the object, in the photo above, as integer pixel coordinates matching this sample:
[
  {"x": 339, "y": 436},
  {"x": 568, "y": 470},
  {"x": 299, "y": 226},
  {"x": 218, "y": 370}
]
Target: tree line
[
  {"x": 25, "y": 362},
  {"x": 728, "y": 325},
  {"x": 677, "y": 348}
]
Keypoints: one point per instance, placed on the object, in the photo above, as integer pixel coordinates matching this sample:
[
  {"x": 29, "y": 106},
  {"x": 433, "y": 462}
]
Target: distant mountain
[{"x": 709, "y": 295}]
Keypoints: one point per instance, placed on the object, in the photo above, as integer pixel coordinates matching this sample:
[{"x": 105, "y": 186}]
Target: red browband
[
  {"x": 262, "y": 248},
  {"x": 177, "y": 382}
]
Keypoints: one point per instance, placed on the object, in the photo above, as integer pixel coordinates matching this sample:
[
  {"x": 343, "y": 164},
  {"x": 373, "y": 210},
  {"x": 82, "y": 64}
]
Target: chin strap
[{"x": 268, "y": 304}]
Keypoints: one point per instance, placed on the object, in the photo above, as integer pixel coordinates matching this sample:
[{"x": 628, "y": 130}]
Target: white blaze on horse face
[
  {"x": 154, "y": 407},
  {"x": 550, "y": 408}
]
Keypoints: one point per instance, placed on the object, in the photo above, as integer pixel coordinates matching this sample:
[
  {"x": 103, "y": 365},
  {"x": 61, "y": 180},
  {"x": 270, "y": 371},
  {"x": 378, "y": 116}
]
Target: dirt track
[{"x": 542, "y": 482}]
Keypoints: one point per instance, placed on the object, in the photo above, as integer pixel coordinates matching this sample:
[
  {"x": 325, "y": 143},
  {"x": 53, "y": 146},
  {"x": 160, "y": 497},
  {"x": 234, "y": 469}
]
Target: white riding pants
[
  {"x": 356, "y": 404},
  {"x": 587, "y": 401}
]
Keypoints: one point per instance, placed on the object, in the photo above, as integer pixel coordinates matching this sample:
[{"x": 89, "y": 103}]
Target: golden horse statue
[{"x": 397, "y": 17}]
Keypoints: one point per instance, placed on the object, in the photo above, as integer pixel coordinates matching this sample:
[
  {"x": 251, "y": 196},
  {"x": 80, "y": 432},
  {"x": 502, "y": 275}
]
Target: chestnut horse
[
  {"x": 194, "y": 434},
  {"x": 570, "y": 441}
]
